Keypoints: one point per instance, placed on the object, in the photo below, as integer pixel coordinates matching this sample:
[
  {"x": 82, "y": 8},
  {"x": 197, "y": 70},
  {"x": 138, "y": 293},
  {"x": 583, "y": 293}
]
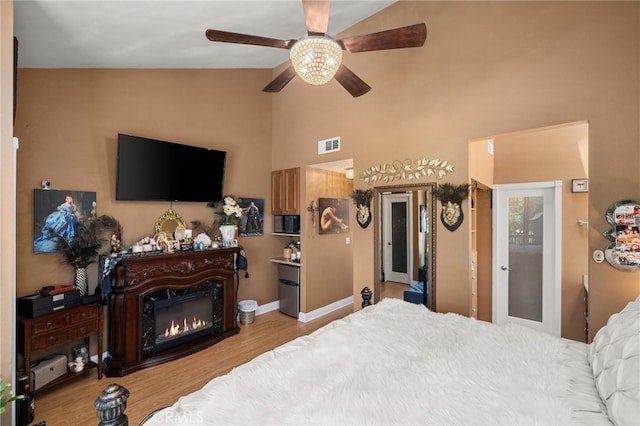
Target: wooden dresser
[{"x": 50, "y": 331}]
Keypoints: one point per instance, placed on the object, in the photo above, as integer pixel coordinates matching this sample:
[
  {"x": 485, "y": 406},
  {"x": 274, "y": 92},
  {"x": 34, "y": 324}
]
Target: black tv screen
[{"x": 153, "y": 170}]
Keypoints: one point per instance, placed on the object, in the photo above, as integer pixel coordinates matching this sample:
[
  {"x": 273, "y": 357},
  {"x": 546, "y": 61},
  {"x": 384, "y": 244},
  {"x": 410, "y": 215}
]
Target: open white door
[{"x": 527, "y": 255}]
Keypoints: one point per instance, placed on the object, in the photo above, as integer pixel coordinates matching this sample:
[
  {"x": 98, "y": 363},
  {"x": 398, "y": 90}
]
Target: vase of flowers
[
  {"x": 228, "y": 233},
  {"x": 81, "y": 250},
  {"x": 231, "y": 212},
  {"x": 81, "y": 281}
]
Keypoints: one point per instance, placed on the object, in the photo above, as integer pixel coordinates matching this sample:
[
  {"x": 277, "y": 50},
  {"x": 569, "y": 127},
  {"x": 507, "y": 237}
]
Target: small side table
[{"x": 60, "y": 328}]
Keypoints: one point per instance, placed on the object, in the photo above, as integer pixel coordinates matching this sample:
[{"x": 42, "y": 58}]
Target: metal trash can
[{"x": 247, "y": 311}]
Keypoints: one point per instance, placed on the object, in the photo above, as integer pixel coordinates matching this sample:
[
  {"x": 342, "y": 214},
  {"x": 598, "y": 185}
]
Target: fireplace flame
[{"x": 177, "y": 328}]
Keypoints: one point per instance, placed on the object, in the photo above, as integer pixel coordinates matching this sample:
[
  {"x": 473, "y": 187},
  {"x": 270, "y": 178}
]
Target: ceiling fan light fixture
[{"x": 316, "y": 59}]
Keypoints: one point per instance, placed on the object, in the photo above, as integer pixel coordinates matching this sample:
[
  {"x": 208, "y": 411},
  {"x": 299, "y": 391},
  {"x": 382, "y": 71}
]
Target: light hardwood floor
[
  {"x": 392, "y": 289},
  {"x": 72, "y": 403}
]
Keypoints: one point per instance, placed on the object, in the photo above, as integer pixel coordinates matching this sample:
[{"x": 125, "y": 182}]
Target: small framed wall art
[
  {"x": 252, "y": 220},
  {"x": 334, "y": 215}
]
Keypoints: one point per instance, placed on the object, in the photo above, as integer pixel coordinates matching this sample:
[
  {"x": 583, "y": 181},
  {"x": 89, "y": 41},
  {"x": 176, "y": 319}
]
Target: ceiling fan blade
[
  {"x": 354, "y": 84},
  {"x": 316, "y": 15},
  {"x": 228, "y": 37},
  {"x": 281, "y": 80},
  {"x": 398, "y": 38}
]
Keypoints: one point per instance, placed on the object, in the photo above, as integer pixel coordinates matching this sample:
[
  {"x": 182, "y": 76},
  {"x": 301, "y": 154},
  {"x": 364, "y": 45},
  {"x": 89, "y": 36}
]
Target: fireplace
[
  {"x": 181, "y": 319},
  {"x": 173, "y": 317},
  {"x": 166, "y": 306}
]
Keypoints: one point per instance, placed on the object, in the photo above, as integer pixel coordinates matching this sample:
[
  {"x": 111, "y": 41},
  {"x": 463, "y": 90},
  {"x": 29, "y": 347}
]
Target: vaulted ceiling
[{"x": 164, "y": 34}]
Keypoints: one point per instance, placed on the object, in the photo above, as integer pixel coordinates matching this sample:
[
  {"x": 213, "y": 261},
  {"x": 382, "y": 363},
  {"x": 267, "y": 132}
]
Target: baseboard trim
[
  {"x": 263, "y": 309},
  {"x": 320, "y": 312},
  {"x": 307, "y": 316}
]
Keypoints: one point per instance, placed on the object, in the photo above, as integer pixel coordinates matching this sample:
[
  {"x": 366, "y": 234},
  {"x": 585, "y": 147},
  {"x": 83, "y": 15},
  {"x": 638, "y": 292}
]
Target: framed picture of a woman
[{"x": 56, "y": 215}]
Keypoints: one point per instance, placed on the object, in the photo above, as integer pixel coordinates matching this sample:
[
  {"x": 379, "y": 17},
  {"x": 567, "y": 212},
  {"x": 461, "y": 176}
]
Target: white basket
[{"x": 247, "y": 311}]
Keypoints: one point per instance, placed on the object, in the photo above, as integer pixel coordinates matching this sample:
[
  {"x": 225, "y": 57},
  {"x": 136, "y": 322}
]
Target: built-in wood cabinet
[{"x": 285, "y": 191}]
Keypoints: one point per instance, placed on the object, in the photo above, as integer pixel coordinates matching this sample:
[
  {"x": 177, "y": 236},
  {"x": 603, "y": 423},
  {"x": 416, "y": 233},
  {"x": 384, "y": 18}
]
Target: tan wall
[
  {"x": 481, "y": 166},
  {"x": 328, "y": 260},
  {"x": 556, "y": 153},
  {"x": 68, "y": 121},
  {"x": 7, "y": 204},
  {"x": 486, "y": 69}
]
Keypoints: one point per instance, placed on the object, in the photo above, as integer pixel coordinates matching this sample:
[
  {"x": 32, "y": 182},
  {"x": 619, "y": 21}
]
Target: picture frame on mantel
[{"x": 57, "y": 214}]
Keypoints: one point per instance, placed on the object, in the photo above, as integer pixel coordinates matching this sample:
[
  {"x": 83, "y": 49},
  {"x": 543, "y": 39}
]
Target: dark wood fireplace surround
[{"x": 138, "y": 276}]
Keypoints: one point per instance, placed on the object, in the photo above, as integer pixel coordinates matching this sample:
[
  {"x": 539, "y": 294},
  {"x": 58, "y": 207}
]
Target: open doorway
[
  {"x": 396, "y": 248},
  {"x": 413, "y": 247},
  {"x": 544, "y": 154}
]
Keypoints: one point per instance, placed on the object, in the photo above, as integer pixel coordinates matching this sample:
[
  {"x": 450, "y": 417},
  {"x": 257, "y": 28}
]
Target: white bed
[{"x": 398, "y": 363}]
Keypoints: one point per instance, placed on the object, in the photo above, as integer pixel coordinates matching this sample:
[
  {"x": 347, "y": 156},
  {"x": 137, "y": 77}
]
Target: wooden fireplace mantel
[{"x": 138, "y": 276}]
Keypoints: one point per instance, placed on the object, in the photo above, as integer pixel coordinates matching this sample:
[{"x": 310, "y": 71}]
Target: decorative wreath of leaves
[
  {"x": 455, "y": 194},
  {"x": 407, "y": 169}
]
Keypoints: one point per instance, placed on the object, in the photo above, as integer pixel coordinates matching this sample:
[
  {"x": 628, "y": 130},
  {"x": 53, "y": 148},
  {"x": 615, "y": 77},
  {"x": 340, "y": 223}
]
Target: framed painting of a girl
[{"x": 57, "y": 214}]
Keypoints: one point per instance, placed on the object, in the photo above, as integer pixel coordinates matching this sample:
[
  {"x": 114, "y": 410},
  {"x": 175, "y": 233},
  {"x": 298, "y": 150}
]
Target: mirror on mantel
[
  {"x": 404, "y": 238},
  {"x": 169, "y": 222}
]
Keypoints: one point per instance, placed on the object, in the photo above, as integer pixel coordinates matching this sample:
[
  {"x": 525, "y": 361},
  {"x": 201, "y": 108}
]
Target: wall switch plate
[
  {"x": 580, "y": 185},
  {"x": 347, "y": 240}
]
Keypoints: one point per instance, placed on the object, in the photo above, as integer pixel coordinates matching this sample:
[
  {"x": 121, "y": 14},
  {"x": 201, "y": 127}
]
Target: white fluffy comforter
[{"x": 392, "y": 363}]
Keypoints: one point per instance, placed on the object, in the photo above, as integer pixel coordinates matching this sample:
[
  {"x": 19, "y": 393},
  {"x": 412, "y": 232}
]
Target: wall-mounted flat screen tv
[{"x": 153, "y": 170}]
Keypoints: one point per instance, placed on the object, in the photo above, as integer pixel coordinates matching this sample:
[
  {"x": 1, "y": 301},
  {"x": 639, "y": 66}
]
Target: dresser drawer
[
  {"x": 49, "y": 340},
  {"x": 51, "y": 323},
  {"x": 79, "y": 315},
  {"x": 84, "y": 330}
]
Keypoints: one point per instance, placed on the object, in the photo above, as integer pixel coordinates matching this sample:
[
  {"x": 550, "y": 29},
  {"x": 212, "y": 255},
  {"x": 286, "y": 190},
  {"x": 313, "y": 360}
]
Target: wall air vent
[{"x": 329, "y": 145}]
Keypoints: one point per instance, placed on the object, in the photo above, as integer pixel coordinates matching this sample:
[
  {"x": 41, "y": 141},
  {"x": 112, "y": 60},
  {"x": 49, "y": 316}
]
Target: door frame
[
  {"x": 387, "y": 199},
  {"x": 552, "y": 298}
]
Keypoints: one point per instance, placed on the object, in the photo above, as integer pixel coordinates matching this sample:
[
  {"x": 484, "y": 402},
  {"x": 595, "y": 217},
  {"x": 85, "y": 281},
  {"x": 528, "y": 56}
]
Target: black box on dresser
[{"x": 35, "y": 305}]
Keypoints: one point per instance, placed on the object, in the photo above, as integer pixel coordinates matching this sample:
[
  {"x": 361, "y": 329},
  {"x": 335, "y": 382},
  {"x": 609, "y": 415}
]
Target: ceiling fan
[{"x": 317, "y": 57}]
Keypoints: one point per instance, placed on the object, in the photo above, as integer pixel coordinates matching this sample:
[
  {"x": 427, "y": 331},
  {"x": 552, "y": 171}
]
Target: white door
[
  {"x": 527, "y": 255},
  {"x": 396, "y": 239}
]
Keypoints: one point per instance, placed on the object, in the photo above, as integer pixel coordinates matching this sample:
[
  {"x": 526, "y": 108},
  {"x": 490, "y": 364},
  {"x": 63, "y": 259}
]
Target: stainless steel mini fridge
[{"x": 289, "y": 289}]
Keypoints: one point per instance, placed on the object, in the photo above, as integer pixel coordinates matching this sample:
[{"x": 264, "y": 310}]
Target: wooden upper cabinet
[
  {"x": 285, "y": 191},
  {"x": 277, "y": 196}
]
